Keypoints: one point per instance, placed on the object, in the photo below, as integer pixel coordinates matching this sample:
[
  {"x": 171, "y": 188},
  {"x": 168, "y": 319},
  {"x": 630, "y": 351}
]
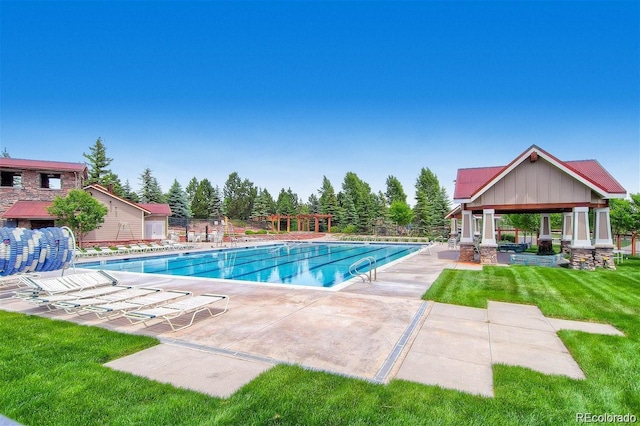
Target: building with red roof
[
  {"x": 537, "y": 182},
  {"x": 28, "y": 187}
]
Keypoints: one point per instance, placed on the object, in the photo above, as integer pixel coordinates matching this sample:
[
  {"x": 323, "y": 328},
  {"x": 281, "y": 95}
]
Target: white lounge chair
[
  {"x": 71, "y": 306},
  {"x": 64, "y": 284},
  {"x": 114, "y": 309},
  {"x": 49, "y": 300},
  {"x": 191, "y": 306}
]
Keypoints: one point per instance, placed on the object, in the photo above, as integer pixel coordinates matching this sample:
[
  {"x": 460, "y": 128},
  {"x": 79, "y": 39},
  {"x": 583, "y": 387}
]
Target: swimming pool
[{"x": 306, "y": 264}]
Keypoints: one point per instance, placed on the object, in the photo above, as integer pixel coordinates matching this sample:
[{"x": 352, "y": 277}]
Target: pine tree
[
  {"x": 177, "y": 200},
  {"x": 215, "y": 204},
  {"x": 128, "y": 193},
  {"x": 432, "y": 204},
  {"x": 262, "y": 208},
  {"x": 313, "y": 204},
  {"x": 328, "y": 201},
  {"x": 150, "y": 191},
  {"x": 201, "y": 204},
  {"x": 191, "y": 189},
  {"x": 98, "y": 163},
  {"x": 395, "y": 192}
]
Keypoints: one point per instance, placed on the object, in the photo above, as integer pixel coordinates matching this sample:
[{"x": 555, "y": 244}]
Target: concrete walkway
[{"x": 375, "y": 332}]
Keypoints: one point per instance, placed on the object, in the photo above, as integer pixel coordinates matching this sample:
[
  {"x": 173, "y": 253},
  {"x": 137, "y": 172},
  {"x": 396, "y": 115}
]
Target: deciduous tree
[{"x": 79, "y": 211}]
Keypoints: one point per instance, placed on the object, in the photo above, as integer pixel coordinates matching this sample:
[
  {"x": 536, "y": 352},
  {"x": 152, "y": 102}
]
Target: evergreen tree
[
  {"x": 239, "y": 196},
  {"x": 191, "y": 189},
  {"x": 263, "y": 206},
  {"x": 313, "y": 204},
  {"x": 128, "y": 193},
  {"x": 111, "y": 179},
  {"x": 215, "y": 203},
  {"x": 359, "y": 193},
  {"x": 395, "y": 192},
  {"x": 328, "y": 201},
  {"x": 150, "y": 191},
  {"x": 177, "y": 200},
  {"x": 201, "y": 204},
  {"x": 285, "y": 205},
  {"x": 432, "y": 204},
  {"x": 5, "y": 153},
  {"x": 98, "y": 163}
]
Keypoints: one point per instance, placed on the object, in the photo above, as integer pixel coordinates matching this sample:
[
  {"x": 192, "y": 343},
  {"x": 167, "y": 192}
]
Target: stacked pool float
[{"x": 25, "y": 250}]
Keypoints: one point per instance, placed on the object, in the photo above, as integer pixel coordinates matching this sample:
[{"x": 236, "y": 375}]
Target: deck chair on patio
[
  {"x": 49, "y": 300},
  {"x": 64, "y": 284},
  {"x": 172, "y": 311},
  {"x": 74, "y": 306},
  {"x": 109, "y": 310}
]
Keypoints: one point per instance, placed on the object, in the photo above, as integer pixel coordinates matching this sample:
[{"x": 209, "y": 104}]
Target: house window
[
  {"x": 11, "y": 179},
  {"x": 50, "y": 181}
]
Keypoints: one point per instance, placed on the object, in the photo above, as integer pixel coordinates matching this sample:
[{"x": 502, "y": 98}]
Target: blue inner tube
[{"x": 26, "y": 250}]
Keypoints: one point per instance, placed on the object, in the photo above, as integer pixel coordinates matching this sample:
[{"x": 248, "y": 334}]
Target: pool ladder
[{"x": 371, "y": 262}]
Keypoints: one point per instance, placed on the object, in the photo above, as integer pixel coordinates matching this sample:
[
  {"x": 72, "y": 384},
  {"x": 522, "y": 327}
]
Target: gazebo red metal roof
[{"x": 471, "y": 181}]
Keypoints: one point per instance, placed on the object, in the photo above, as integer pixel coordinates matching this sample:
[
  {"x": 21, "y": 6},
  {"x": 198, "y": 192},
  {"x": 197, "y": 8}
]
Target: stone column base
[
  {"x": 564, "y": 246},
  {"x": 467, "y": 251},
  {"x": 603, "y": 257},
  {"x": 545, "y": 247},
  {"x": 581, "y": 258},
  {"x": 488, "y": 255}
]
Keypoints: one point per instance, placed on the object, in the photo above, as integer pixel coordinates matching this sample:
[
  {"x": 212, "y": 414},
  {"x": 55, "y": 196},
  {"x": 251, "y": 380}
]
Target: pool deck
[{"x": 376, "y": 331}]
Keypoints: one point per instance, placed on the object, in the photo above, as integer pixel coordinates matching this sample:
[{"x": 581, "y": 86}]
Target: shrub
[
  {"x": 350, "y": 229},
  {"x": 509, "y": 237}
]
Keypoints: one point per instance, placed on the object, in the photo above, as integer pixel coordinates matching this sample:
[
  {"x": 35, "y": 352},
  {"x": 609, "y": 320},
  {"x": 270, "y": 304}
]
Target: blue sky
[{"x": 284, "y": 93}]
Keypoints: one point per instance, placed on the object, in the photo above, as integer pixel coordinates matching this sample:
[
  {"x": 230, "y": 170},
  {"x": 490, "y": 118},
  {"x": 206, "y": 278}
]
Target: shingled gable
[{"x": 472, "y": 183}]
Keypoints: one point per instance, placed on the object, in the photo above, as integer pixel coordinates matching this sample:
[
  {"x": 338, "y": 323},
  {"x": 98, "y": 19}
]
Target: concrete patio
[{"x": 376, "y": 332}]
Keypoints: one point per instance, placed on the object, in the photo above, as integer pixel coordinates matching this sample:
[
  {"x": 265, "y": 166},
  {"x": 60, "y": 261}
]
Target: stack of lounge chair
[{"x": 98, "y": 292}]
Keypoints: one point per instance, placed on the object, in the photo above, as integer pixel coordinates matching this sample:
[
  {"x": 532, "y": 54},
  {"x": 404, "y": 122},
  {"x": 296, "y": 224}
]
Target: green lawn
[{"x": 51, "y": 371}]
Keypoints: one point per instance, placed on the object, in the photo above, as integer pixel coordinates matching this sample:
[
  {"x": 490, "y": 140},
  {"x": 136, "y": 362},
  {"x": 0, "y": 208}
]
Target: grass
[{"x": 52, "y": 373}]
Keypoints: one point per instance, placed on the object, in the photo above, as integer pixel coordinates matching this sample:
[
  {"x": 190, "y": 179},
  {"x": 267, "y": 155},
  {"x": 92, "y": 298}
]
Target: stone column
[
  {"x": 466, "y": 239},
  {"x": 602, "y": 239},
  {"x": 488, "y": 246},
  {"x": 581, "y": 248},
  {"x": 567, "y": 232},
  {"x": 545, "y": 245}
]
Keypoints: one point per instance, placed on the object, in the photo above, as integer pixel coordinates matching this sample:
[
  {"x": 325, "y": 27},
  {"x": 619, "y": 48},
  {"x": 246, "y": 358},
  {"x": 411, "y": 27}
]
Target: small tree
[
  {"x": 79, "y": 211},
  {"x": 401, "y": 213}
]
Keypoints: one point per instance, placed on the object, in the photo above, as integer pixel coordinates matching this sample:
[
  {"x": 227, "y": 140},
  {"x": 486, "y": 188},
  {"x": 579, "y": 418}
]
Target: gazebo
[
  {"x": 538, "y": 182},
  {"x": 303, "y": 221}
]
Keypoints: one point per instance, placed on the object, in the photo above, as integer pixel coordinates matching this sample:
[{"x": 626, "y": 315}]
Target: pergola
[
  {"x": 303, "y": 220},
  {"x": 538, "y": 182}
]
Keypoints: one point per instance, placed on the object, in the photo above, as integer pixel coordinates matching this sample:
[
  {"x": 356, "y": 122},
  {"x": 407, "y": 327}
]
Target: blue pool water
[{"x": 307, "y": 264}]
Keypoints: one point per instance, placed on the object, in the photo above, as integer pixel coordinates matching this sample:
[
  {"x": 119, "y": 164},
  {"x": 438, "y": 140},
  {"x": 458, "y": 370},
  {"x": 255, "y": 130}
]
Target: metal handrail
[{"x": 371, "y": 261}]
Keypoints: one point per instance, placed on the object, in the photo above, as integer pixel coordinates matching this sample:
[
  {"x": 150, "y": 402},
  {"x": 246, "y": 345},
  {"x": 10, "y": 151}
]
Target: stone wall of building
[{"x": 31, "y": 189}]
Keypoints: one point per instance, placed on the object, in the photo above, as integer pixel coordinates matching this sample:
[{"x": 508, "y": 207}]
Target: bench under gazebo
[{"x": 538, "y": 182}]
